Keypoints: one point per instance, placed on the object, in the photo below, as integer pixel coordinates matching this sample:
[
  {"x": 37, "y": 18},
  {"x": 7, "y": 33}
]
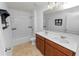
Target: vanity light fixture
[{"x": 52, "y": 5}]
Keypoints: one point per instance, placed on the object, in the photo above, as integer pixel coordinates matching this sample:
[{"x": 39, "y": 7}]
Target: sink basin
[
  {"x": 58, "y": 38},
  {"x": 61, "y": 39}
]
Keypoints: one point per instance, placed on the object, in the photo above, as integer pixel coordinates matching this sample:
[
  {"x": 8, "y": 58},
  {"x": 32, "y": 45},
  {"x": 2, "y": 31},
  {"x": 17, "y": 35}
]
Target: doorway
[{"x": 22, "y": 26}]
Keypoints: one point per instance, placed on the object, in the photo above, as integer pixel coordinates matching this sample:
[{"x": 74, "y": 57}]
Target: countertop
[{"x": 68, "y": 41}]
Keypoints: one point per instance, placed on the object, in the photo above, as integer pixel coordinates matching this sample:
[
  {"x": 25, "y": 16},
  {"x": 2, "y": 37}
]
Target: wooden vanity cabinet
[
  {"x": 58, "y": 49},
  {"x": 50, "y": 48},
  {"x": 40, "y": 43},
  {"x": 51, "y": 51}
]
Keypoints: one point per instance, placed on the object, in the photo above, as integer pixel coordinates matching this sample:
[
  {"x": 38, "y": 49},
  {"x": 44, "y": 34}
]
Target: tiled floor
[{"x": 26, "y": 49}]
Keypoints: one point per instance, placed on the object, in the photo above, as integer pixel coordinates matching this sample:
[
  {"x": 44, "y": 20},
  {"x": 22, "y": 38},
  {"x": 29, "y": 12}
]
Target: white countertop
[{"x": 70, "y": 40}]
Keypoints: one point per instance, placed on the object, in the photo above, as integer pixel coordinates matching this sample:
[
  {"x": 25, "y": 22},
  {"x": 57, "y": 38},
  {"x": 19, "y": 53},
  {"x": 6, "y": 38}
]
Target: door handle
[
  {"x": 13, "y": 29},
  {"x": 29, "y": 26}
]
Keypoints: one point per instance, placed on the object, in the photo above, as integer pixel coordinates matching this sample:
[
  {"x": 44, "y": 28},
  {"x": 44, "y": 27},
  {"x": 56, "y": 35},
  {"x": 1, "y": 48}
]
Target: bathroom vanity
[{"x": 53, "y": 44}]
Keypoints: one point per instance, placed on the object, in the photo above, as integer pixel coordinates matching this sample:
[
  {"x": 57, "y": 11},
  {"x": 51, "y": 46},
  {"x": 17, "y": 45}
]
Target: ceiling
[
  {"x": 30, "y": 6},
  {"x": 26, "y": 5}
]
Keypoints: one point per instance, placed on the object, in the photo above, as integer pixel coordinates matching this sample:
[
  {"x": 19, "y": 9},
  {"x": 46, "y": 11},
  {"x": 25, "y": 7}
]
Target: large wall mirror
[{"x": 62, "y": 21}]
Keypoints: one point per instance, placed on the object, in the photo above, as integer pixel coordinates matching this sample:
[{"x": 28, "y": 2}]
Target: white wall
[
  {"x": 46, "y": 19},
  {"x": 38, "y": 18},
  {"x": 3, "y": 5},
  {"x": 35, "y": 21},
  {"x": 52, "y": 22},
  {"x": 73, "y": 23}
]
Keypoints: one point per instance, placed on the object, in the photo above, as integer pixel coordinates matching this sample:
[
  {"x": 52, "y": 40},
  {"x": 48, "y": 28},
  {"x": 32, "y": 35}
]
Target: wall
[
  {"x": 38, "y": 18},
  {"x": 51, "y": 22},
  {"x": 46, "y": 21},
  {"x": 3, "y": 5},
  {"x": 73, "y": 22},
  {"x": 35, "y": 21},
  {"x": 21, "y": 20}
]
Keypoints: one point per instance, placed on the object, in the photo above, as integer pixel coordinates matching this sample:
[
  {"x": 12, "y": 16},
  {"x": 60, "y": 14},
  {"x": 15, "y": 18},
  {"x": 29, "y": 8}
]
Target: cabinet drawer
[{"x": 60, "y": 48}]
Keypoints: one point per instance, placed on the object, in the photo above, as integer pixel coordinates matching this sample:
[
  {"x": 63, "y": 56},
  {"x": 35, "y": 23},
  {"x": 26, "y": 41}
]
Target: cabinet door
[
  {"x": 60, "y": 48},
  {"x": 50, "y": 51},
  {"x": 37, "y": 42},
  {"x": 40, "y": 44}
]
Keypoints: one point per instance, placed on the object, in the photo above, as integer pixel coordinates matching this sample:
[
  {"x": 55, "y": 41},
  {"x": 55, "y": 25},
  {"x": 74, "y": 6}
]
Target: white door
[{"x": 21, "y": 26}]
